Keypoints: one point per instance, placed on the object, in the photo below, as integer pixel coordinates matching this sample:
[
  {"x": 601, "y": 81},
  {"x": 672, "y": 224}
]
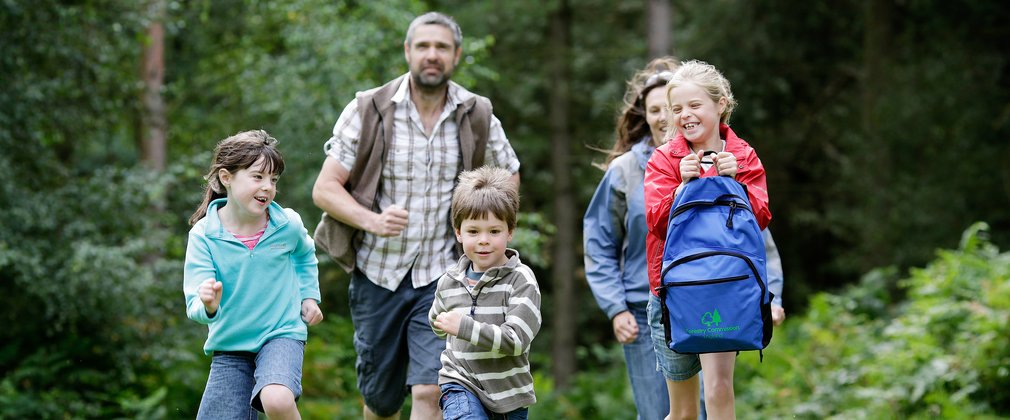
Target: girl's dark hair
[
  {"x": 631, "y": 124},
  {"x": 233, "y": 154}
]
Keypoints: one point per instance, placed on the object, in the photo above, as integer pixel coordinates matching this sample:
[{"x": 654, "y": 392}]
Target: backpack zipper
[
  {"x": 701, "y": 255},
  {"x": 729, "y": 220},
  {"x": 710, "y": 281},
  {"x": 733, "y": 205}
]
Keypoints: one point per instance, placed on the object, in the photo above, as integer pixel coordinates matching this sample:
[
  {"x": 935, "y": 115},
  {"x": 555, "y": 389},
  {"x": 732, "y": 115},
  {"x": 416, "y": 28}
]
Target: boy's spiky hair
[{"x": 485, "y": 190}]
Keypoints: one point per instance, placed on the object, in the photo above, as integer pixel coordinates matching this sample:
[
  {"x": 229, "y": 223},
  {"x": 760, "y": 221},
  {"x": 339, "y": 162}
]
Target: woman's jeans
[{"x": 647, "y": 383}]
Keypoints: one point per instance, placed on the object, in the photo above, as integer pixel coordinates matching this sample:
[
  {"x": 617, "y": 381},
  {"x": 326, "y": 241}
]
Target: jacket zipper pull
[
  {"x": 729, "y": 221},
  {"x": 473, "y": 307}
]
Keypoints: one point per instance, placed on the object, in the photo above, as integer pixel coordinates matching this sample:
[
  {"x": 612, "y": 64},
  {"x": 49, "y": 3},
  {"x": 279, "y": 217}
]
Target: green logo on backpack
[
  {"x": 712, "y": 328},
  {"x": 711, "y": 318}
]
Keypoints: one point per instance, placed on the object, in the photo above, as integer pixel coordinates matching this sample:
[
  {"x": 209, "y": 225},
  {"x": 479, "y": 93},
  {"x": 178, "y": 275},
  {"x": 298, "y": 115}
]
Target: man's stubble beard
[{"x": 430, "y": 86}]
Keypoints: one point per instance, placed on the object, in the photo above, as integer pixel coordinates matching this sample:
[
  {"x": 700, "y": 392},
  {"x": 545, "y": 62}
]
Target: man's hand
[
  {"x": 390, "y": 222},
  {"x": 210, "y": 294},
  {"x": 449, "y": 322},
  {"x": 625, "y": 327},
  {"x": 311, "y": 313}
]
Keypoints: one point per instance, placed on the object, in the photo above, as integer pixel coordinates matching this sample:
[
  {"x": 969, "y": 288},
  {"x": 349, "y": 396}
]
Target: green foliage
[
  {"x": 600, "y": 64},
  {"x": 69, "y": 71},
  {"x": 942, "y": 352},
  {"x": 328, "y": 377},
  {"x": 87, "y": 315},
  {"x": 601, "y": 392},
  {"x": 531, "y": 239}
]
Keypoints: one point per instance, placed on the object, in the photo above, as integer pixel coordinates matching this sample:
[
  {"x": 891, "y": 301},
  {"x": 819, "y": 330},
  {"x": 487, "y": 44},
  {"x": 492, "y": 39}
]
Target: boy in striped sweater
[{"x": 487, "y": 306}]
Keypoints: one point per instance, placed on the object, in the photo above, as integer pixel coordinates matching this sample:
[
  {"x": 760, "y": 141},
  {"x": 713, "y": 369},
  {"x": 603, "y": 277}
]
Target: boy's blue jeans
[{"x": 458, "y": 403}]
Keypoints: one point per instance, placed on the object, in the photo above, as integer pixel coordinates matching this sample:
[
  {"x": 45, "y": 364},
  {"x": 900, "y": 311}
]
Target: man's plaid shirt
[{"x": 419, "y": 175}]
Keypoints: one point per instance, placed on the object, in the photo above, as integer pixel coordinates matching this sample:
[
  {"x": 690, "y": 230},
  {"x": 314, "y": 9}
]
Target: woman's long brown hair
[{"x": 631, "y": 124}]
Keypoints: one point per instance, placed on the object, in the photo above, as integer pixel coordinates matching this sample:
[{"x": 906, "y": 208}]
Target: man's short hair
[
  {"x": 435, "y": 18},
  {"x": 485, "y": 190}
]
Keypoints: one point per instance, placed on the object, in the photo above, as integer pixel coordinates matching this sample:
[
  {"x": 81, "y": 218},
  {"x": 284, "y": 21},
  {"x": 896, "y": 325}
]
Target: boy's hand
[
  {"x": 449, "y": 322},
  {"x": 210, "y": 294},
  {"x": 725, "y": 163},
  {"x": 311, "y": 313}
]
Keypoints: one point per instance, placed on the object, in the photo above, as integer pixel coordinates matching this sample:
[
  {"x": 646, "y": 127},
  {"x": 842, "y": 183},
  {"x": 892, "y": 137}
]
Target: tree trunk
[
  {"x": 565, "y": 217},
  {"x": 153, "y": 123},
  {"x": 876, "y": 50},
  {"x": 875, "y": 151},
  {"x": 660, "y": 36}
]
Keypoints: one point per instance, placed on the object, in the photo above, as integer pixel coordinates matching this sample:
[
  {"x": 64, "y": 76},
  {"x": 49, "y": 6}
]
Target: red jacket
[{"x": 662, "y": 177}]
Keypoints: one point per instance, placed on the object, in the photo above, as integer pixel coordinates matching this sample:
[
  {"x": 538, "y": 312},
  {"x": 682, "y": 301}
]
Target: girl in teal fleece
[{"x": 251, "y": 276}]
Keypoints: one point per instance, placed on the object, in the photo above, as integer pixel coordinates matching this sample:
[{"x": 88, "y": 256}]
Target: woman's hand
[
  {"x": 625, "y": 327},
  {"x": 778, "y": 315}
]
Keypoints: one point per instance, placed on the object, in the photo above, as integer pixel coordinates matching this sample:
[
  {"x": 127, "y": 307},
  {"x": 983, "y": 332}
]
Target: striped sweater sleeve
[{"x": 437, "y": 307}]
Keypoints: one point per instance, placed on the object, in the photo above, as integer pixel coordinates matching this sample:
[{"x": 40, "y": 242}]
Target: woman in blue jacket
[{"x": 614, "y": 233}]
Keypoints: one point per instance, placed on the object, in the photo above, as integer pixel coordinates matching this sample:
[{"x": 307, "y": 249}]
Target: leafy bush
[
  {"x": 941, "y": 352},
  {"x": 602, "y": 392},
  {"x": 90, "y": 292},
  {"x": 328, "y": 377}
]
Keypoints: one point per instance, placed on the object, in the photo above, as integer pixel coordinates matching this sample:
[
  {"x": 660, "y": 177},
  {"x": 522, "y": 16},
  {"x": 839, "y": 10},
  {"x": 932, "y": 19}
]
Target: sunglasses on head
[{"x": 658, "y": 79}]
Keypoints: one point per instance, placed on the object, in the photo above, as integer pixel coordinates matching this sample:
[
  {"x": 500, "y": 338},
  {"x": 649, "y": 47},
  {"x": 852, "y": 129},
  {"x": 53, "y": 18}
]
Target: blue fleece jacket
[
  {"x": 263, "y": 288},
  {"x": 613, "y": 231}
]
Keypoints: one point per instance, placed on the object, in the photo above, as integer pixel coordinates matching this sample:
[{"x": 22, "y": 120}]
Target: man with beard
[{"x": 390, "y": 170}]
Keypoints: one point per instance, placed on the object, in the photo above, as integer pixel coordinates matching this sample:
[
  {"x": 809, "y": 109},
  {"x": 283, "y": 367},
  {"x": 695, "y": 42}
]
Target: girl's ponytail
[{"x": 210, "y": 193}]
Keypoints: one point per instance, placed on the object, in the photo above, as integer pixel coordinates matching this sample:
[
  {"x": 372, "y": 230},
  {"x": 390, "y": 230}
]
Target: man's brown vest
[{"x": 473, "y": 117}]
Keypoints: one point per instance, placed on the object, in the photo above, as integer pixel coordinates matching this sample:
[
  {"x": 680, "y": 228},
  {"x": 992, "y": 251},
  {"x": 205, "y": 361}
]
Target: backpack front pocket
[{"x": 715, "y": 313}]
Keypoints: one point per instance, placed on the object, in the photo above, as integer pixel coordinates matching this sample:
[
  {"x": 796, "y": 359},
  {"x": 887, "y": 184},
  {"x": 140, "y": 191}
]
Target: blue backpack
[{"x": 714, "y": 288}]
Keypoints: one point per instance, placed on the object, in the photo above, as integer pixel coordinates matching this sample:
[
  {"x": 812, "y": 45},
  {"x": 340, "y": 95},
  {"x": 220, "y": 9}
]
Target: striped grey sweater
[{"x": 490, "y": 356}]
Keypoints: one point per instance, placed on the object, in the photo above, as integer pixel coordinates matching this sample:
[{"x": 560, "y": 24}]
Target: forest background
[{"x": 883, "y": 126}]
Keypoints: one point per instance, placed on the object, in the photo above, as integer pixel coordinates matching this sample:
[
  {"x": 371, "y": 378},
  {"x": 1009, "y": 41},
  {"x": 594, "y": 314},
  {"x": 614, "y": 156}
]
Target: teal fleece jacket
[{"x": 263, "y": 288}]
